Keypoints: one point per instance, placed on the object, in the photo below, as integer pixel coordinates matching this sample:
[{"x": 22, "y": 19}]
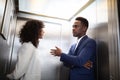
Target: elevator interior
[{"x": 104, "y": 28}]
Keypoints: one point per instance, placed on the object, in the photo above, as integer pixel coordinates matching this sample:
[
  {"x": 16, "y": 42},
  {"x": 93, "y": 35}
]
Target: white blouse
[{"x": 28, "y": 64}]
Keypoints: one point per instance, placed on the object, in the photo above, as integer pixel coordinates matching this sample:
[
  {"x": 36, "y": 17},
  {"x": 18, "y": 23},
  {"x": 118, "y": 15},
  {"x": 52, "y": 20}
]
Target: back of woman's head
[{"x": 30, "y": 32}]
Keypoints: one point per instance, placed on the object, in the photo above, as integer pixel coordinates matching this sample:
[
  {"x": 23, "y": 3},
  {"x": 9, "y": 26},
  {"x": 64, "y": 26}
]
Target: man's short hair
[{"x": 83, "y": 20}]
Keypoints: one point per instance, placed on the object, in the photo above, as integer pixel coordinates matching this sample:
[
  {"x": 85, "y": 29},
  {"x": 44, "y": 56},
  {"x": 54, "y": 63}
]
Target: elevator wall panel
[
  {"x": 4, "y": 57},
  {"x": 6, "y": 43}
]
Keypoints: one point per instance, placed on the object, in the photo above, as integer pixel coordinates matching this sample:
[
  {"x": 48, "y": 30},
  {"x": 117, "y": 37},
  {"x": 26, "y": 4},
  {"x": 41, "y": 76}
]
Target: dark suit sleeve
[
  {"x": 70, "y": 53},
  {"x": 85, "y": 54}
]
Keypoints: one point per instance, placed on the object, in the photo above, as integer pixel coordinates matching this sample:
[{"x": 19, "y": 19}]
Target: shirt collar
[{"x": 78, "y": 40}]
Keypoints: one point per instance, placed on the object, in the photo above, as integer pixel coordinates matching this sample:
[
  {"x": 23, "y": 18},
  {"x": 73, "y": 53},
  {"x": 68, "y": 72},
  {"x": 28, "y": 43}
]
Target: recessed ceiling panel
[{"x": 63, "y": 9}]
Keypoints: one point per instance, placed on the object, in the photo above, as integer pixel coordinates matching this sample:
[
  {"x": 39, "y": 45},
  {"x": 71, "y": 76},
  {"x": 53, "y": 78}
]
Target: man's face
[{"x": 78, "y": 29}]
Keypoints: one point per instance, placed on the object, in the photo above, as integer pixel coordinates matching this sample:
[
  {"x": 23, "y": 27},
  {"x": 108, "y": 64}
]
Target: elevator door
[{"x": 50, "y": 65}]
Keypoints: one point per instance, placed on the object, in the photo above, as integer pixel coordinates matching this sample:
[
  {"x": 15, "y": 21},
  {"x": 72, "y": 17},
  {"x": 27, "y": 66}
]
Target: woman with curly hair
[{"x": 28, "y": 63}]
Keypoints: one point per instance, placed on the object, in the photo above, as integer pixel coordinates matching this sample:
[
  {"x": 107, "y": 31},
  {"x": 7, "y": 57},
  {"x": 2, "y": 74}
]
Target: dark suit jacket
[{"x": 75, "y": 60}]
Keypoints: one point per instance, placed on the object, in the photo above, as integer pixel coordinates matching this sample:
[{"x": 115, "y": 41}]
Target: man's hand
[
  {"x": 56, "y": 52},
  {"x": 88, "y": 64}
]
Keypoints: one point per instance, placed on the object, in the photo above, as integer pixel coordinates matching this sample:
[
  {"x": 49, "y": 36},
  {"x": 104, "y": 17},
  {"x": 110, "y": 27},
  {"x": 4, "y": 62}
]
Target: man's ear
[{"x": 85, "y": 29}]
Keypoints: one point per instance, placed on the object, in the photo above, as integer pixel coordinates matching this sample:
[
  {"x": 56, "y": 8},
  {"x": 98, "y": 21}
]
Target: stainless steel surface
[
  {"x": 4, "y": 57},
  {"x": 114, "y": 39},
  {"x": 104, "y": 28},
  {"x": 8, "y": 31},
  {"x": 2, "y": 10}
]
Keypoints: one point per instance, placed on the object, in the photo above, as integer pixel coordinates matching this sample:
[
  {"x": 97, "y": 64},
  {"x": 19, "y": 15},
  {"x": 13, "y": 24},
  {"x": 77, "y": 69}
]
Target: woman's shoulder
[
  {"x": 27, "y": 48},
  {"x": 27, "y": 45}
]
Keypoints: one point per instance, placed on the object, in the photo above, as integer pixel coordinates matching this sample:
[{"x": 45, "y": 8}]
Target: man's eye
[{"x": 75, "y": 26}]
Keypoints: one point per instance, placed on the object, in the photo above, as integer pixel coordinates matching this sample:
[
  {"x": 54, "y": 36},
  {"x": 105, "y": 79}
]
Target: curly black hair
[{"x": 30, "y": 32}]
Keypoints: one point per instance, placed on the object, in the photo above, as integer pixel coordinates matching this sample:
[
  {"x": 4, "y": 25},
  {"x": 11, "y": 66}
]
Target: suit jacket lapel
[{"x": 80, "y": 45}]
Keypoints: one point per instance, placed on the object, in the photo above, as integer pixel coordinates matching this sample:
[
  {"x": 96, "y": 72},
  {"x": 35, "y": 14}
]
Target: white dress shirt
[
  {"x": 78, "y": 40},
  {"x": 28, "y": 65}
]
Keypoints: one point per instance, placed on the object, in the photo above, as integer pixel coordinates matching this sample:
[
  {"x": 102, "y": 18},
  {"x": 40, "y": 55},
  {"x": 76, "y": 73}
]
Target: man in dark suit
[{"x": 81, "y": 56}]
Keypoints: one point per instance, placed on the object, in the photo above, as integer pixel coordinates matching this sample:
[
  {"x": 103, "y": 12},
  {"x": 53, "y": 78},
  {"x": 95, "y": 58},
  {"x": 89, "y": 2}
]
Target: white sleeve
[{"x": 24, "y": 56}]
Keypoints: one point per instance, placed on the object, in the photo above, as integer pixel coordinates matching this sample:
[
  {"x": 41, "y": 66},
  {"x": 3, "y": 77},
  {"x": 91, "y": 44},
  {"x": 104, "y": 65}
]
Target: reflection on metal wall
[
  {"x": 2, "y": 11},
  {"x": 4, "y": 57},
  {"x": 8, "y": 31},
  {"x": 114, "y": 40},
  {"x": 102, "y": 51},
  {"x": 50, "y": 64}
]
